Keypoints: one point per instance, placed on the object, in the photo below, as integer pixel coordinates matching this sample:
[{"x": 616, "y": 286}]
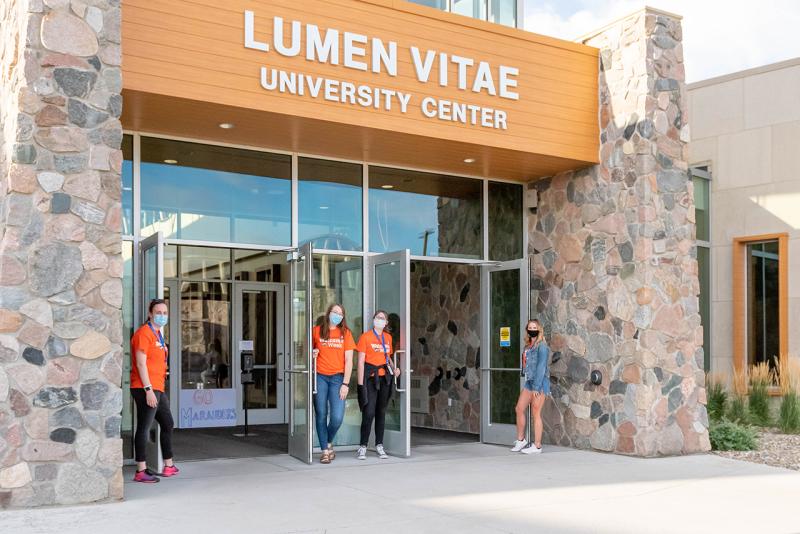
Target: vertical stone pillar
[
  {"x": 60, "y": 261},
  {"x": 614, "y": 272}
]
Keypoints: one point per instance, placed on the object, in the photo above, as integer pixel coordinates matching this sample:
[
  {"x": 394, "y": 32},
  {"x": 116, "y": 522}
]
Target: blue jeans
[{"x": 328, "y": 394}]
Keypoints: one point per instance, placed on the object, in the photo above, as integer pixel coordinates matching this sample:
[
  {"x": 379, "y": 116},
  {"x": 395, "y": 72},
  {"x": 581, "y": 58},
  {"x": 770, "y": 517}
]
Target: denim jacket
[{"x": 536, "y": 366}]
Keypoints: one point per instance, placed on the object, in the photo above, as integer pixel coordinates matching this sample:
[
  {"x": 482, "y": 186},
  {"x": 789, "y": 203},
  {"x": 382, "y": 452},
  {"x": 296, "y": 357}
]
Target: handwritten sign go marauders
[{"x": 360, "y": 52}]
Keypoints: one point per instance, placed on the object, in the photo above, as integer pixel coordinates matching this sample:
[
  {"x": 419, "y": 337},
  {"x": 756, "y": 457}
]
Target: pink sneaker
[
  {"x": 145, "y": 477},
  {"x": 170, "y": 471}
]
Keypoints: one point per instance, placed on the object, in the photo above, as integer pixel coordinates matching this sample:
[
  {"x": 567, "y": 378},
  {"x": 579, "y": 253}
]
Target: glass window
[
  {"x": 701, "y": 208},
  {"x": 505, "y": 221},
  {"x": 503, "y": 12},
  {"x": 127, "y": 185},
  {"x": 470, "y": 8},
  {"x": 438, "y": 4},
  {"x": 205, "y": 333},
  {"x": 213, "y": 193},
  {"x": 340, "y": 279},
  {"x": 205, "y": 263},
  {"x": 260, "y": 266},
  {"x": 704, "y": 274},
  {"x": 430, "y": 214},
  {"x": 330, "y": 200},
  {"x": 763, "y": 297}
]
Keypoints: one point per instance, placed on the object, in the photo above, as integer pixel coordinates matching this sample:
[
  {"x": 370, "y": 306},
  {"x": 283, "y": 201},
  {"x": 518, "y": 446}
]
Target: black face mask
[{"x": 533, "y": 333}]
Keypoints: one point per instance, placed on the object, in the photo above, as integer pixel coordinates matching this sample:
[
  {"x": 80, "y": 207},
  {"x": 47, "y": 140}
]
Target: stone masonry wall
[
  {"x": 614, "y": 271},
  {"x": 60, "y": 261}
]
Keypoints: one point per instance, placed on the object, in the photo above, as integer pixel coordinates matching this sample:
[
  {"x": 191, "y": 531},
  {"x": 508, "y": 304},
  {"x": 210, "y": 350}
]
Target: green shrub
[
  {"x": 737, "y": 411},
  {"x": 730, "y": 436},
  {"x": 789, "y": 417},
  {"x": 758, "y": 405},
  {"x": 717, "y": 401}
]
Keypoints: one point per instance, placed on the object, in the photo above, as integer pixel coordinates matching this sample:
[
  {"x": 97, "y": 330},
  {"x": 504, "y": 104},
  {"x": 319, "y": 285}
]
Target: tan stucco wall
[{"x": 746, "y": 126}]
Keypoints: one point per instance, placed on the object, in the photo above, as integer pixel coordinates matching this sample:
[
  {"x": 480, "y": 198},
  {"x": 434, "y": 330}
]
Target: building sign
[
  {"x": 505, "y": 336},
  {"x": 202, "y": 408},
  {"x": 385, "y": 59}
]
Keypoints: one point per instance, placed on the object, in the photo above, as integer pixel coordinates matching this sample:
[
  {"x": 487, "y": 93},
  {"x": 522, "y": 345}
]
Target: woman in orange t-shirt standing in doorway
[
  {"x": 148, "y": 378},
  {"x": 375, "y": 381},
  {"x": 333, "y": 352}
]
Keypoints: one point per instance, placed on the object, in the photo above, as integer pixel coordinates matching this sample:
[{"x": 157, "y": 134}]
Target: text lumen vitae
[{"x": 372, "y": 54}]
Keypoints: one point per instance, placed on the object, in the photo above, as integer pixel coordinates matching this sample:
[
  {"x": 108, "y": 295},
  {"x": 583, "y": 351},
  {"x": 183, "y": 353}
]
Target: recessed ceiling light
[
  {"x": 323, "y": 207},
  {"x": 171, "y": 161},
  {"x": 469, "y": 160},
  {"x": 226, "y": 125},
  {"x": 387, "y": 186}
]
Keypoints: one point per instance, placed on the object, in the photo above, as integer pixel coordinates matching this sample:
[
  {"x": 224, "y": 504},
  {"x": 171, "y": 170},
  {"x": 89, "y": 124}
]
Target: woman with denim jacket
[{"x": 535, "y": 361}]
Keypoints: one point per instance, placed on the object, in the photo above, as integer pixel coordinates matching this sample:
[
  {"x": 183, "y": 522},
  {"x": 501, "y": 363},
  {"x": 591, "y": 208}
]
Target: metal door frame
[
  {"x": 155, "y": 241},
  {"x": 300, "y": 446},
  {"x": 396, "y": 443},
  {"x": 266, "y": 416},
  {"x": 499, "y": 433}
]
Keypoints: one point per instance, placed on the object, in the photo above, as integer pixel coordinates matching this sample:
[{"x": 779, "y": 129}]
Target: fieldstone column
[
  {"x": 60, "y": 261},
  {"x": 614, "y": 271}
]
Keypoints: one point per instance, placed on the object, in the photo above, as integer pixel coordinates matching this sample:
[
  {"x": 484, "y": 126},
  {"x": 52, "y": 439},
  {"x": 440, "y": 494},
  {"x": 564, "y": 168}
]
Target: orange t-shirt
[
  {"x": 371, "y": 346},
  {"x": 330, "y": 360},
  {"x": 145, "y": 340}
]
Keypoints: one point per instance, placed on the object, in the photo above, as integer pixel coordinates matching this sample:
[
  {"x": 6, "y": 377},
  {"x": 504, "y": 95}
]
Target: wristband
[{"x": 148, "y": 388}]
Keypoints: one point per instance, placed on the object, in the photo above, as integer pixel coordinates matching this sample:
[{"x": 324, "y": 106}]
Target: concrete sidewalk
[{"x": 465, "y": 488}]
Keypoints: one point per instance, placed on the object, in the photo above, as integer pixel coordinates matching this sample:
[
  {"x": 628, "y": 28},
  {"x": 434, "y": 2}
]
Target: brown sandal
[
  {"x": 331, "y": 454},
  {"x": 325, "y": 458}
]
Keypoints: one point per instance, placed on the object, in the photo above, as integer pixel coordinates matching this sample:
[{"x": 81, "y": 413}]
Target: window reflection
[
  {"x": 213, "y": 193},
  {"x": 505, "y": 221},
  {"x": 127, "y": 185},
  {"x": 330, "y": 196},
  {"x": 430, "y": 214},
  {"x": 260, "y": 266},
  {"x": 763, "y": 303},
  {"x": 503, "y": 12},
  {"x": 205, "y": 335}
]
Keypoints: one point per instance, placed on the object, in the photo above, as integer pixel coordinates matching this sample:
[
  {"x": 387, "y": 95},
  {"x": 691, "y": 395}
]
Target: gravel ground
[{"x": 774, "y": 448}]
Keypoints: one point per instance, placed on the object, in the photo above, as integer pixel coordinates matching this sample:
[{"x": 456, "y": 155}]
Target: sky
[{"x": 719, "y": 36}]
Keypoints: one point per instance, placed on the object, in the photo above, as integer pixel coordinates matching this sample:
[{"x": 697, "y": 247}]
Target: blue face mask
[
  {"x": 160, "y": 320},
  {"x": 335, "y": 318}
]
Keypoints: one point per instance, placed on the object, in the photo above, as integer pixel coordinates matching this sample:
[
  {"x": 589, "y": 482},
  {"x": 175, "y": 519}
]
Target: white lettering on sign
[{"x": 371, "y": 54}]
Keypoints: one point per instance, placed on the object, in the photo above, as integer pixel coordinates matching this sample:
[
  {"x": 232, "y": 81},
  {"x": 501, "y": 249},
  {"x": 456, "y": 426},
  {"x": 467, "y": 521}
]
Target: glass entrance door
[
  {"x": 504, "y": 309},
  {"x": 259, "y": 326},
  {"x": 388, "y": 286},
  {"x": 151, "y": 286},
  {"x": 298, "y": 370}
]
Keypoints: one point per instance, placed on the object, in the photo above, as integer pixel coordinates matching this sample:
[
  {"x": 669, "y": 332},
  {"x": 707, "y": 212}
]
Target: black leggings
[
  {"x": 375, "y": 410},
  {"x": 144, "y": 420}
]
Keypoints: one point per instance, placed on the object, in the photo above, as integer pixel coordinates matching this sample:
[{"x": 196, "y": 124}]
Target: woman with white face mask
[
  {"x": 375, "y": 381},
  {"x": 333, "y": 352},
  {"x": 148, "y": 378}
]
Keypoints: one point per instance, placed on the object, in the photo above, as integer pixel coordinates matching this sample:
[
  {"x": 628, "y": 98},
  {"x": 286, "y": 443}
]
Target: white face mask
[{"x": 379, "y": 324}]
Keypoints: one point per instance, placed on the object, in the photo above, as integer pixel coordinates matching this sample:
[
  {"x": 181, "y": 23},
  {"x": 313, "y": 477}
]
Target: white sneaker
[
  {"x": 381, "y": 453},
  {"x": 533, "y": 449},
  {"x": 519, "y": 445},
  {"x": 362, "y": 453}
]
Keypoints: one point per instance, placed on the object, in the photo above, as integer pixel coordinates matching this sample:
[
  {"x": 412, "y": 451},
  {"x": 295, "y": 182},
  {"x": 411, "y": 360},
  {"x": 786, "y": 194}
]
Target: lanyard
[
  {"x": 160, "y": 338},
  {"x": 383, "y": 344}
]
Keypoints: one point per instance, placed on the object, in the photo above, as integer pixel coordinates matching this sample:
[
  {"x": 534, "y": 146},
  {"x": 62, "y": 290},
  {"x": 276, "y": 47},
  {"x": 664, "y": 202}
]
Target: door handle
[
  {"x": 314, "y": 354},
  {"x": 397, "y": 378}
]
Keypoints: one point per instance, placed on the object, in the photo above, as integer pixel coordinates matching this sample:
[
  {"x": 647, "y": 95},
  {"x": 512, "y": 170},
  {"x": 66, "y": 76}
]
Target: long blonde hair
[{"x": 539, "y": 338}]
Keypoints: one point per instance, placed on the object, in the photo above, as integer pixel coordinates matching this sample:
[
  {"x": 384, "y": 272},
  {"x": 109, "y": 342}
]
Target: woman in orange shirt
[
  {"x": 333, "y": 352},
  {"x": 375, "y": 381},
  {"x": 148, "y": 378}
]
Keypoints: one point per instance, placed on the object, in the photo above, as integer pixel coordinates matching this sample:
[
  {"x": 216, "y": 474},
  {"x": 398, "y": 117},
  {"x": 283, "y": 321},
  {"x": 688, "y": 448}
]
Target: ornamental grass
[{"x": 789, "y": 380}]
